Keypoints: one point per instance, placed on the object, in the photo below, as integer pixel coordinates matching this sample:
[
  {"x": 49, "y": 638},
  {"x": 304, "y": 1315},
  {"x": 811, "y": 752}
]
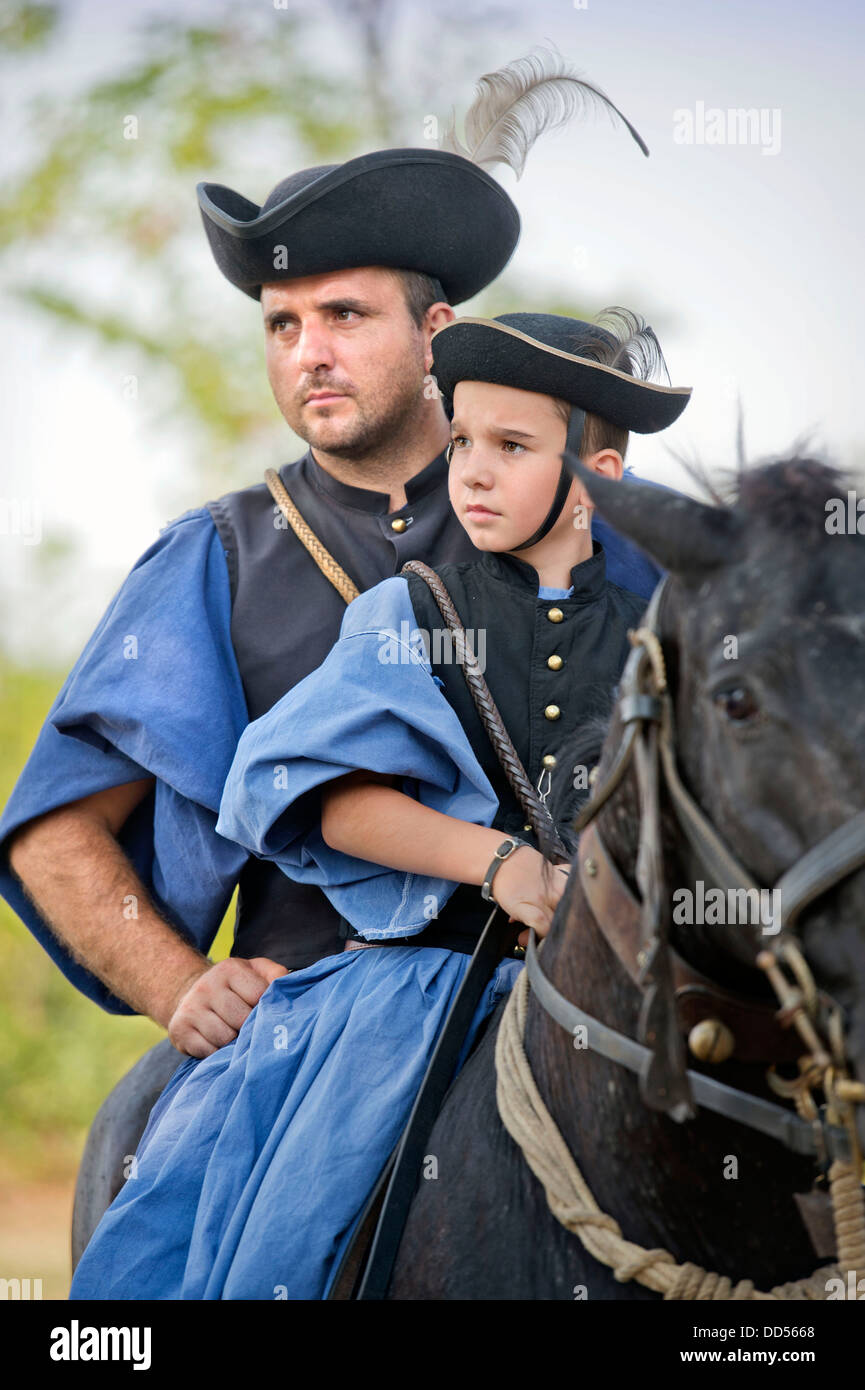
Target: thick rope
[
  {"x": 845, "y": 1185},
  {"x": 533, "y": 1129},
  {"x": 330, "y": 568}
]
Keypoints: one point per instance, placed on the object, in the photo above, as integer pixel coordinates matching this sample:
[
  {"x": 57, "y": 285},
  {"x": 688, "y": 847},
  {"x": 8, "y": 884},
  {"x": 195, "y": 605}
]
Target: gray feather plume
[
  {"x": 628, "y": 343},
  {"x": 520, "y": 101}
]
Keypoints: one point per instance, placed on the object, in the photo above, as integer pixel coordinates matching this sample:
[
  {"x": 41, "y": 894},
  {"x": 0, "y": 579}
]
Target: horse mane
[{"x": 785, "y": 493}]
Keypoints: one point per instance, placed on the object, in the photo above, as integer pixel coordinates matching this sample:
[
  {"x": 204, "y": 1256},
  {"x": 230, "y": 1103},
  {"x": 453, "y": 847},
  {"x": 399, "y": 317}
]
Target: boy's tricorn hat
[
  {"x": 409, "y": 209},
  {"x": 558, "y": 356},
  {"x": 598, "y": 370}
]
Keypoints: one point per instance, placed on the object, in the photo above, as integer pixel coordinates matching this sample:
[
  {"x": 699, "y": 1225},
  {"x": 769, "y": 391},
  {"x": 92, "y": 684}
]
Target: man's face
[{"x": 345, "y": 361}]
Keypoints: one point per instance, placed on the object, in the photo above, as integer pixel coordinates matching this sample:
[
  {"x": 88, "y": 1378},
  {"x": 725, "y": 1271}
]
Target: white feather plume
[{"x": 520, "y": 101}]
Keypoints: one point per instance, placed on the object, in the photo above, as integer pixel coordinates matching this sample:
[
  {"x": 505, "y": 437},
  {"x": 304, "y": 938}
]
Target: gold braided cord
[
  {"x": 329, "y": 567},
  {"x": 533, "y": 1129}
]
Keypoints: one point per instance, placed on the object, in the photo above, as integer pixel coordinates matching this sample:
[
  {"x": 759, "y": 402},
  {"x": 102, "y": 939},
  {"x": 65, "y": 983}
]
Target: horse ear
[{"x": 677, "y": 532}]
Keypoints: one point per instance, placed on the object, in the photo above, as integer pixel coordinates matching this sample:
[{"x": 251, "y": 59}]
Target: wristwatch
[{"x": 504, "y": 851}]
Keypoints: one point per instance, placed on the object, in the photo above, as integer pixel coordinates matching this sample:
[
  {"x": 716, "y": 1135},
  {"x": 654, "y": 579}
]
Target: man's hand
[{"x": 211, "y": 1011}]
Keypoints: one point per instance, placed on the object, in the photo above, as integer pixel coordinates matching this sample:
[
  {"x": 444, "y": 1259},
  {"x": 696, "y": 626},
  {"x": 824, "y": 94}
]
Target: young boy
[{"x": 375, "y": 779}]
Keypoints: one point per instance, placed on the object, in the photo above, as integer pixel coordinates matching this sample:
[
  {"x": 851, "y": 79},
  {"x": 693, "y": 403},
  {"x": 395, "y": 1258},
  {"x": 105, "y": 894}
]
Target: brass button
[
  {"x": 549, "y": 760},
  {"x": 552, "y": 712},
  {"x": 398, "y": 524},
  {"x": 555, "y": 663},
  {"x": 555, "y": 615}
]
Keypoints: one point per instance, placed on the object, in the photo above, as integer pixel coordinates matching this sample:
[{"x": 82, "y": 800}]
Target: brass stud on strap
[{"x": 710, "y": 1040}]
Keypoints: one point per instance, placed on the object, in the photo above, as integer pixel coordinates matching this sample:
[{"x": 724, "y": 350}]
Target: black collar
[
  {"x": 588, "y": 578},
  {"x": 365, "y": 500}
]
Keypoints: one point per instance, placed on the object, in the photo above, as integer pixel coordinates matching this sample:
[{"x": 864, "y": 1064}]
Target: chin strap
[{"x": 573, "y": 440}]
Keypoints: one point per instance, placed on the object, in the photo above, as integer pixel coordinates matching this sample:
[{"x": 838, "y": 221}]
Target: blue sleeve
[
  {"x": 627, "y": 565},
  {"x": 372, "y": 704},
  {"x": 155, "y": 693}
]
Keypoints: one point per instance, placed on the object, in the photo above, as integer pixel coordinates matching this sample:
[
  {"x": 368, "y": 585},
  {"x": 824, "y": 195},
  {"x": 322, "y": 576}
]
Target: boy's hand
[{"x": 526, "y": 892}]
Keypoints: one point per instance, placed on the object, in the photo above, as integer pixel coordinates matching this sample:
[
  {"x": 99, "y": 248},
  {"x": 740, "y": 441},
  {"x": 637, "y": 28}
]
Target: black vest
[
  {"x": 286, "y": 617},
  {"x": 545, "y": 708}
]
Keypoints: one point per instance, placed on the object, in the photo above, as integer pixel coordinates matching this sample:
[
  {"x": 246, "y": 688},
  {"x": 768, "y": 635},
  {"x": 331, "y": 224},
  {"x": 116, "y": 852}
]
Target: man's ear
[{"x": 437, "y": 315}]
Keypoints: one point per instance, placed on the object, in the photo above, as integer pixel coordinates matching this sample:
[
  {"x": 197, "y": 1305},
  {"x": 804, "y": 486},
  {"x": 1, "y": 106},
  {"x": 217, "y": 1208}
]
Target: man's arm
[{"x": 75, "y": 871}]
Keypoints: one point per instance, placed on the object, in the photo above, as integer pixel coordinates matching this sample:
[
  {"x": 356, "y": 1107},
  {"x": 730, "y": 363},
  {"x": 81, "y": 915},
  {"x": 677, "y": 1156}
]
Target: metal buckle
[{"x": 505, "y": 849}]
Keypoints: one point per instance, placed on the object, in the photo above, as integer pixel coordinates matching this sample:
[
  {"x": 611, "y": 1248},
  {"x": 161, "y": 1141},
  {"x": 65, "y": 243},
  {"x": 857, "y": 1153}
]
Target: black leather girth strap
[{"x": 496, "y": 939}]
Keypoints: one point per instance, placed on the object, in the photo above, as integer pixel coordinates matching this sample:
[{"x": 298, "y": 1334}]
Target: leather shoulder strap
[{"x": 329, "y": 567}]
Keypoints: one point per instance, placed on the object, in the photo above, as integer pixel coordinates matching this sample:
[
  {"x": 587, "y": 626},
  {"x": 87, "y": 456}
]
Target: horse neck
[{"x": 709, "y": 1191}]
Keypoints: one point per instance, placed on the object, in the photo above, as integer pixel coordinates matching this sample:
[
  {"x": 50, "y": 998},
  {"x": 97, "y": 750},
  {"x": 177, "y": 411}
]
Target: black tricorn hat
[
  {"x": 557, "y": 356},
  {"x": 408, "y": 209}
]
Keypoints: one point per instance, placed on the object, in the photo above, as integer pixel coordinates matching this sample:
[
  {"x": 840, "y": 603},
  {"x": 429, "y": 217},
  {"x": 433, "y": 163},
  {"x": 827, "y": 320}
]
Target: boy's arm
[{"x": 365, "y": 815}]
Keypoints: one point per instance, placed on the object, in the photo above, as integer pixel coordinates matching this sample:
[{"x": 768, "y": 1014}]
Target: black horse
[{"x": 763, "y": 630}]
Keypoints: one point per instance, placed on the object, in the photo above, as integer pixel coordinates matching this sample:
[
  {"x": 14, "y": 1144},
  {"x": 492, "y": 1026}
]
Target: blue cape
[{"x": 156, "y": 692}]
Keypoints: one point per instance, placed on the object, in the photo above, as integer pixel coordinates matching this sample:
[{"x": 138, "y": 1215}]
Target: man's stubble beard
[{"x": 371, "y": 433}]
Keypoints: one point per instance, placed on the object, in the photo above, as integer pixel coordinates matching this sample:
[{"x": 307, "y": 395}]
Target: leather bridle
[{"x": 674, "y": 994}]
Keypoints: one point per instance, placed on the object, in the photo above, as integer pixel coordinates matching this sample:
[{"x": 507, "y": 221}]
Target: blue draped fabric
[
  {"x": 257, "y": 1160},
  {"x": 373, "y": 704},
  {"x": 155, "y": 693}
]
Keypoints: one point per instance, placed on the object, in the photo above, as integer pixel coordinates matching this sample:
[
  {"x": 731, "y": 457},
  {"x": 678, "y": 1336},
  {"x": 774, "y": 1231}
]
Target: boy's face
[{"x": 506, "y": 463}]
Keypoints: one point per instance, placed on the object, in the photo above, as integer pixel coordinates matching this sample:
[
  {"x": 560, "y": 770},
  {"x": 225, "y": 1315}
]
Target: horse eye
[{"x": 738, "y": 704}]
